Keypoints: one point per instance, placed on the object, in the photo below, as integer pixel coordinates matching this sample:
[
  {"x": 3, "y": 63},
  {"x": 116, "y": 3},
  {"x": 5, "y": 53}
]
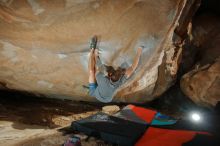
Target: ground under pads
[{"x": 138, "y": 126}]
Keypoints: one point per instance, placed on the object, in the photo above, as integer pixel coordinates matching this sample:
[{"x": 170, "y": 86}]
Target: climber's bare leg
[
  {"x": 96, "y": 53},
  {"x": 92, "y": 66}
]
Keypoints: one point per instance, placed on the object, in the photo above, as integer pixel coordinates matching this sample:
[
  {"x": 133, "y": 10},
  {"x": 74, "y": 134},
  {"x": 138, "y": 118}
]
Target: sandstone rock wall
[
  {"x": 44, "y": 45},
  {"x": 202, "y": 83}
]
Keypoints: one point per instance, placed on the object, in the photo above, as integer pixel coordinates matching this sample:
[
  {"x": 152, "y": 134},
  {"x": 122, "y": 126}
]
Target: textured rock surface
[
  {"x": 13, "y": 135},
  {"x": 44, "y": 44},
  {"x": 110, "y": 109},
  {"x": 202, "y": 84}
]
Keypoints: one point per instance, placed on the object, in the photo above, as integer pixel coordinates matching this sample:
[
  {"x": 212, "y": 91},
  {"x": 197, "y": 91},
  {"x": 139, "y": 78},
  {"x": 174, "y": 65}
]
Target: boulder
[
  {"x": 110, "y": 109},
  {"x": 202, "y": 84},
  {"x": 44, "y": 45}
]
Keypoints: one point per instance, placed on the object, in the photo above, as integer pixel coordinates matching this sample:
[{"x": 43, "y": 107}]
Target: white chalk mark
[
  {"x": 33, "y": 56},
  {"x": 84, "y": 58},
  {"x": 37, "y": 9},
  {"x": 149, "y": 43},
  {"x": 45, "y": 84},
  {"x": 10, "y": 51},
  {"x": 107, "y": 51},
  {"x": 61, "y": 56},
  {"x": 96, "y": 6}
]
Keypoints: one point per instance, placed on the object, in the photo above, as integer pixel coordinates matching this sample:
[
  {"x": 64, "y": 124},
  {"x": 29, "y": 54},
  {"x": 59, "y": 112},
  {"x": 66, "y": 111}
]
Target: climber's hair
[{"x": 115, "y": 75}]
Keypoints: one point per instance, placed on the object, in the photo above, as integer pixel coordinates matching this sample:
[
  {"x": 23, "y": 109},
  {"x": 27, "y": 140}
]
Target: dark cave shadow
[{"x": 27, "y": 109}]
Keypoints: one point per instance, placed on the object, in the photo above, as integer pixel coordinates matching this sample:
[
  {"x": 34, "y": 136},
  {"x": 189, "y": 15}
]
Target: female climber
[{"x": 103, "y": 86}]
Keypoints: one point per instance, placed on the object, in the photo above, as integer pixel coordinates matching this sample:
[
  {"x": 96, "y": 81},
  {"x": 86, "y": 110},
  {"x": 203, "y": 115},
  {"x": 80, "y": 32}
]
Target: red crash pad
[
  {"x": 144, "y": 114},
  {"x": 166, "y": 137}
]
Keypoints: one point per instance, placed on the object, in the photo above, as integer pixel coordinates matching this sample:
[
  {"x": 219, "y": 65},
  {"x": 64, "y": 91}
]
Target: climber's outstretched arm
[{"x": 133, "y": 67}]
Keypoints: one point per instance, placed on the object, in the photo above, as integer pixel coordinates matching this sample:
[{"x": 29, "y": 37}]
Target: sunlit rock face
[
  {"x": 202, "y": 84},
  {"x": 44, "y": 45}
]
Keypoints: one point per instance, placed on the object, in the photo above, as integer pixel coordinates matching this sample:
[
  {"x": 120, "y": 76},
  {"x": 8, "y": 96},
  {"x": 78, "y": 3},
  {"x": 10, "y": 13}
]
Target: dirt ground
[
  {"x": 30, "y": 121},
  {"x": 42, "y": 111},
  {"x": 26, "y": 120}
]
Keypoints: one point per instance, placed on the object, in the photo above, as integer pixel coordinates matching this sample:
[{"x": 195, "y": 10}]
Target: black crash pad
[{"x": 111, "y": 129}]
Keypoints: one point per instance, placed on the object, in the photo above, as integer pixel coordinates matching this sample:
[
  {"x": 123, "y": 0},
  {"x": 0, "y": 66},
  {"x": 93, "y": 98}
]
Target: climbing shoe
[{"x": 93, "y": 42}]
